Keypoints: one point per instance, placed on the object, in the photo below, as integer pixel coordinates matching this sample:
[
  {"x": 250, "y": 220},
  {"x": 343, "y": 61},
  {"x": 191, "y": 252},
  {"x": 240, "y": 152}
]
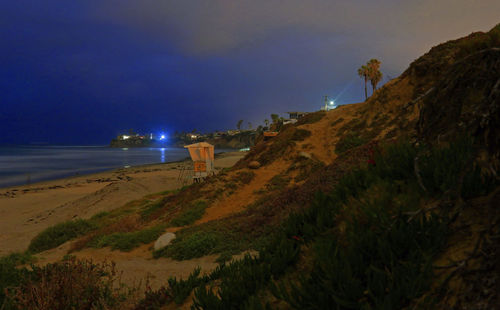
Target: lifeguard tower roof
[{"x": 201, "y": 151}]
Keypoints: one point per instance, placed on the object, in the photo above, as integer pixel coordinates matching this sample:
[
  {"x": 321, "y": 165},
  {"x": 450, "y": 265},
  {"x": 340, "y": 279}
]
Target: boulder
[
  {"x": 305, "y": 155},
  {"x": 254, "y": 165},
  {"x": 164, "y": 240}
]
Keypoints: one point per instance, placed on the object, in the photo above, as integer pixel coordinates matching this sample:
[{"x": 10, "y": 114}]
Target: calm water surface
[{"x": 28, "y": 164}]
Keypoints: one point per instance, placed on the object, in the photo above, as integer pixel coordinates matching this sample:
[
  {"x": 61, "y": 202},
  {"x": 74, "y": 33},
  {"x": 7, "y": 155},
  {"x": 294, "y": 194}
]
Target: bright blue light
[{"x": 162, "y": 137}]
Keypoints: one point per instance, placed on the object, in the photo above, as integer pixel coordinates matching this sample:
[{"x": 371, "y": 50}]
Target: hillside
[{"x": 391, "y": 203}]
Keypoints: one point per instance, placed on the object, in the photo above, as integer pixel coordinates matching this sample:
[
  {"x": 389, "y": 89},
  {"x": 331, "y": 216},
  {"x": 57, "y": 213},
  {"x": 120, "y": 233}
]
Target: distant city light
[
  {"x": 125, "y": 137},
  {"x": 162, "y": 137}
]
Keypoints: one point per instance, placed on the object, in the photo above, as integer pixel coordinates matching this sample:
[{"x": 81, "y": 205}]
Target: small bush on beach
[
  {"x": 194, "y": 212},
  {"x": 193, "y": 245},
  {"x": 151, "y": 208},
  {"x": 129, "y": 240},
  {"x": 99, "y": 216},
  {"x": 58, "y": 234}
]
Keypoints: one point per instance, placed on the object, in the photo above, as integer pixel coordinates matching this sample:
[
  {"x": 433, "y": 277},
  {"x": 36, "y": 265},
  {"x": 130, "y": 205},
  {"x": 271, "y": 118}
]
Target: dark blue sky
[{"x": 81, "y": 72}]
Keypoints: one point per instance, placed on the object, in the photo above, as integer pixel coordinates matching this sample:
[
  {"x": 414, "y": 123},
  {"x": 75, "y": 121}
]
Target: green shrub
[
  {"x": 194, "y": 212},
  {"x": 181, "y": 289},
  {"x": 311, "y": 118},
  {"x": 224, "y": 257},
  {"x": 278, "y": 182},
  {"x": 442, "y": 169},
  {"x": 337, "y": 121},
  {"x": 151, "y": 208},
  {"x": 11, "y": 276},
  {"x": 385, "y": 266},
  {"x": 241, "y": 279},
  {"x": 245, "y": 177},
  {"x": 306, "y": 168},
  {"x": 130, "y": 240},
  {"x": 348, "y": 142},
  {"x": 58, "y": 234},
  {"x": 177, "y": 290},
  {"x": 381, "y": 258},
  {"x": 154, "y": 299},
  {"x": 230, "y": 185},
  {"x": 301, "y": 135},
  {"x": 190, "y": 246},
  {"x": 99, "y": 216}
]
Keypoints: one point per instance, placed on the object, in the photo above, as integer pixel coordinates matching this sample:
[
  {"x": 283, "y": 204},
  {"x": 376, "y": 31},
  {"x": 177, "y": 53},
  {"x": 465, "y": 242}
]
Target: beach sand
[{"x": 27, "y": 210}]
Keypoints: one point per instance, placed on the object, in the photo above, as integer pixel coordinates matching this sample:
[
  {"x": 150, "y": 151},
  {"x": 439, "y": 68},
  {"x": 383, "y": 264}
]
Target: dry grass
[{"x": 71, "y": 284}]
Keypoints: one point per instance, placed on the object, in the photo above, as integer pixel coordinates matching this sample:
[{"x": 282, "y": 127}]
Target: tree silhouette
[
  {"x": 266, "y": 121},
  {"x": 238, "y": 125},
  {"x": 374, "y": 74},
  {"x": 371, "y": 72},
  {"x": 364, "y": 73}
]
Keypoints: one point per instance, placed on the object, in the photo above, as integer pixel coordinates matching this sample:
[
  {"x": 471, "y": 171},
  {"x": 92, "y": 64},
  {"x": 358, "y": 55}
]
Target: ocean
[{"x": 21, "y": 165}]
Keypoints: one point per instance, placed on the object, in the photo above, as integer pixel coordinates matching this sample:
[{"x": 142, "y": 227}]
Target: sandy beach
[{"x": 27, "y": 210}]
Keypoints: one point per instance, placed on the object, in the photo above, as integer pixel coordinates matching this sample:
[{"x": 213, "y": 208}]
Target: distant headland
[{"x": 230, "y": 139}]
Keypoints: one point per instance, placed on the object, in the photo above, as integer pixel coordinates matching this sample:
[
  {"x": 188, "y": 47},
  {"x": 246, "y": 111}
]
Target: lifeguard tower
[{"x": 202, "y": 155}]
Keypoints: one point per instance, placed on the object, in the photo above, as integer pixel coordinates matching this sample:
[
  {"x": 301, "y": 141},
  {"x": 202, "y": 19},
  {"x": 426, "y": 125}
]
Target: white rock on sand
[{"x": 164, "y": 240}]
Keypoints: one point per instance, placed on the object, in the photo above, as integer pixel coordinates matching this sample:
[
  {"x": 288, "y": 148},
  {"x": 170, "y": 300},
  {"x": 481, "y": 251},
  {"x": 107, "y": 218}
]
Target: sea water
[{"x": 21, "y": 165}]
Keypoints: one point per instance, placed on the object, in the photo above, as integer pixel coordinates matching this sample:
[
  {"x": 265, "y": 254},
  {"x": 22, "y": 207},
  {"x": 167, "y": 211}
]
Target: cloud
[{"x": 215, "y": 27}]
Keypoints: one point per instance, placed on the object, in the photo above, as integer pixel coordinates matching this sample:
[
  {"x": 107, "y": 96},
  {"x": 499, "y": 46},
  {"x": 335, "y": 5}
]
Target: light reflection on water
[
  {"x": 22, "y": 164},
  {"x": 162, "y": 150}
]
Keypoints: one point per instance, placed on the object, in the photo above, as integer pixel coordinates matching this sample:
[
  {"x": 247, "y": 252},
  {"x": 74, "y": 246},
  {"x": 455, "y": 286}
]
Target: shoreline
[
  {"x": 105, "y": 171},
  {"x": 90, "y": 174}
]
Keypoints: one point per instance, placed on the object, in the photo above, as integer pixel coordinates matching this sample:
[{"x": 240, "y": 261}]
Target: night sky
[{"x": 83, "y": 71}]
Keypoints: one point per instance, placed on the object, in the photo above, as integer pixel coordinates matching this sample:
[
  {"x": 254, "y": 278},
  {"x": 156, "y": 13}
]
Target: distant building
[
  {"x": 194, "y": 136},
  {"x": 296, "y": 115},
  {"x": 130, "y": 137}
]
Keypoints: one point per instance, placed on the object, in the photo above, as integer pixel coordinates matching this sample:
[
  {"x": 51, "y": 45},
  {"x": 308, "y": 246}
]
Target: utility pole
[{"x": 326, "y": 103}]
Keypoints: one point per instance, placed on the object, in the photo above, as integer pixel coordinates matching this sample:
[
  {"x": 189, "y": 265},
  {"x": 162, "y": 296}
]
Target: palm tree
[
  {"x": 374, "y": 74},
  {"x": 364, "y": 73}
]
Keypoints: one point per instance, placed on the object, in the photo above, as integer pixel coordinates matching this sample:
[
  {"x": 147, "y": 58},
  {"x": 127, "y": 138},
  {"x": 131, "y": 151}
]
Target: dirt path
[
  {"x": 244, "y": 196},
  {"x": 323, "y": 137}
]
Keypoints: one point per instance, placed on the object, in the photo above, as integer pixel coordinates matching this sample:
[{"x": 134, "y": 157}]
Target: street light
[{"x": 332, "y": 103}]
